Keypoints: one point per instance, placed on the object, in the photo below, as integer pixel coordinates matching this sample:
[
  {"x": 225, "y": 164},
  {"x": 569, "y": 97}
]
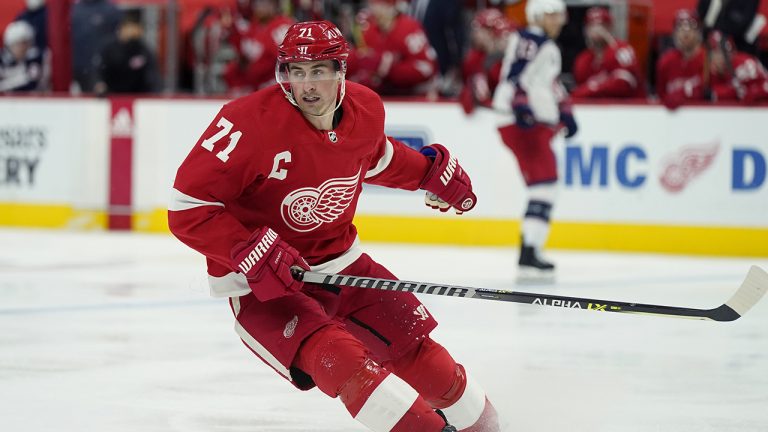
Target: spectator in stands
[
  {"x": 23, "y": 67},
  {"x": 489, "y": 32},
  {"x": 737, "y": 19},
  {"x": 735, "y": 75},
  {"x": 608, "y": 68},
  {"x": 443, "y": 23},
  {"x": 256, "y": 47},
  {"x": 126, "y": 64},
  {"x": 94, "y": 23},
  {"x": 680, "y": 70},
  {"x": 36, "y": 15},
  {"x": 392, "y": 55}
]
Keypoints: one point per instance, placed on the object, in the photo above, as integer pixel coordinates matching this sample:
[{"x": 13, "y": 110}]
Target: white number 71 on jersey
[{"x": 226, "y": 127}]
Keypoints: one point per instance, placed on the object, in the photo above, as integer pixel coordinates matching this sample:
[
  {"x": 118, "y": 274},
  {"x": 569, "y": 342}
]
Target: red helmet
[
  {"x": 311, "y": 41},
  {"x": 686, "y": 17},
  {"x": 493, "y": 20},
  {"x": 718, "y": 41},
  {"x": 598, "y": 15}
]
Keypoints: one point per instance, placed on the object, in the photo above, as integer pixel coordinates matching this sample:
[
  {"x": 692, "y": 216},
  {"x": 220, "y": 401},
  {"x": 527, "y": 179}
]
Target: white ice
[{"x": 106, "y": 332}]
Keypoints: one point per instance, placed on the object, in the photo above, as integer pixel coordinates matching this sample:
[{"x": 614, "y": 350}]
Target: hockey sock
[
  {"x": 431, "y": 370},
  {"x": 535, "y": 226},
  {"x": 339, "y": 365}
]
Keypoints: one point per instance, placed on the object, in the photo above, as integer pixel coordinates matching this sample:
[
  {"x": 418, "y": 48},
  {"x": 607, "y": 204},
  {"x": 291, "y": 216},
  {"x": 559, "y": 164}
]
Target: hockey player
[
  {"x": 608, "y": 68},
  {"x": 532, "y": 90},
  {"x": 735, "y": 75},
  {"x": 22, "y": 66},
  {"x": 680, "y": 70},
  {"x": 256, "y": 47},
  {"x": 393, "y": 55},
  {"x": 482, "y": 64},
  {"x": 273, "y": 183}
]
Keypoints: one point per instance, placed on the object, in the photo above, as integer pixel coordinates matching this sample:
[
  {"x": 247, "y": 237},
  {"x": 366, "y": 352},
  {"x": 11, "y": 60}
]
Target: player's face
[
  {"x": 19, "y": 49},
  {"x": 382, "y": 11},
  {"x": 596, "y": 35},
  {"x": 687, "y": 37},
  {"x": 482, "y": 39},
  {"x": 314, "y": 85},
  {"x": 553, "y": 23}
]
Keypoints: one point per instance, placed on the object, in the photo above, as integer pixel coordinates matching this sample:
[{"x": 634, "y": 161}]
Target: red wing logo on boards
[
  {"x": 681, "y": 168},
  {"x": 306, "y": 209}
]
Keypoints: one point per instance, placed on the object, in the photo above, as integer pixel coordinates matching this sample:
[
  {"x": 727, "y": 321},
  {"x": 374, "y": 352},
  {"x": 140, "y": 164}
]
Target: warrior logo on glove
[{"x": 451, "y": 187}]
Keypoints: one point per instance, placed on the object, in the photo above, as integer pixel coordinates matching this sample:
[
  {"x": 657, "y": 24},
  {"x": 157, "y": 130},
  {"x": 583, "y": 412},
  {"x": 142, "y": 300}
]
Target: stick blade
[{"x": 751, "y": 291}]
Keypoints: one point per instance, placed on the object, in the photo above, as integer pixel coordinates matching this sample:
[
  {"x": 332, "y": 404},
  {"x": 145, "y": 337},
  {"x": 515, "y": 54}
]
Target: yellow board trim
[
  {"x": 462, "y": 230},
  {"x": 50, "y": 216}
]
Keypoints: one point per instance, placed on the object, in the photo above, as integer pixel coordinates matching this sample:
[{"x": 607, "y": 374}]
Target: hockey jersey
[
  {"x": 401, "y": 58},
  {"x": 481, "y": 73},
  {"x": 747, "y": 82},
  {"x": 531, "y": 66},
  {"x": 261, "y": 163},
  {"x": 256, "y": 47},
  {"x": 614, "y": 74},
  {"x": 679, "y": 78}
]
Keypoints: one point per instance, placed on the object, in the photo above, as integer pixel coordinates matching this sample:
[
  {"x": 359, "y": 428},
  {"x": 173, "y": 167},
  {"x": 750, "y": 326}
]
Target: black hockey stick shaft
[{"x": 751, "y": 290}]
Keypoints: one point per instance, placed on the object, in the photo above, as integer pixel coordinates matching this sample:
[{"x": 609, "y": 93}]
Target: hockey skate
[{"x": 532, "y": 269}]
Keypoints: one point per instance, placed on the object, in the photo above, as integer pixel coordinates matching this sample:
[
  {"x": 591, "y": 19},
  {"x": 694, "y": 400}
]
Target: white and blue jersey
[{"x": 532, "y": 65}]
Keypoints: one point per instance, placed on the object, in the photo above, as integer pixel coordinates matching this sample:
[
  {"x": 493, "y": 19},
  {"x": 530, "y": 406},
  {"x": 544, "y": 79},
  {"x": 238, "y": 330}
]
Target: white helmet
[
  {"x": 18, "y": 31},
  {"x": 536, "y": 8}
]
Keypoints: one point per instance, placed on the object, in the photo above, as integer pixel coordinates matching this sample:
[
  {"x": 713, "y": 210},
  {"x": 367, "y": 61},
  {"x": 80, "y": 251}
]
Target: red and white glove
[
  {"x": 266, "y": 261},
  {"x": 446, "y": 183}
]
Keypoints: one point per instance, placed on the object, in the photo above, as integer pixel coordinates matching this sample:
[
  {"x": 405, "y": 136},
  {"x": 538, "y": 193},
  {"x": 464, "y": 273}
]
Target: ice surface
[{"x": 110, "y": 332}]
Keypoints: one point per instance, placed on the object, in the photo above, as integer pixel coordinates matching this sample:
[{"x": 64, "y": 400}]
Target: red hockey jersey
[
  {"x": 261, "y": 163},
  {"x": 256, "y": 47},
  {"x": 679, "y": 78},
  {"x": 748, "y": 82},
  {"x": 400, "y": 61},
  {"x": 481, "y": 76},
  {"x": 615, "y": 74}
]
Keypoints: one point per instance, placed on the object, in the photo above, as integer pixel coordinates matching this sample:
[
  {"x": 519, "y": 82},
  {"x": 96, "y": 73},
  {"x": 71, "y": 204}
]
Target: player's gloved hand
[
  {"x": 567, "y": 119},
  {"x": 446, "y": 183},
  {"x": 524, "y": 117},
  {"x": 266, "y": 261}
]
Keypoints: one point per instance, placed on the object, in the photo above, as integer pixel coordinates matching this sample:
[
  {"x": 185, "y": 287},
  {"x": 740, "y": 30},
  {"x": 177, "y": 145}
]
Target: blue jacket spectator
[{"x": 23, "y": 67}]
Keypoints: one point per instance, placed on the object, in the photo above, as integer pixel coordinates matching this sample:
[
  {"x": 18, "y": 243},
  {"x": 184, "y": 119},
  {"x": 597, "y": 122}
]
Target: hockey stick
[{"x": 751, "y": 291}]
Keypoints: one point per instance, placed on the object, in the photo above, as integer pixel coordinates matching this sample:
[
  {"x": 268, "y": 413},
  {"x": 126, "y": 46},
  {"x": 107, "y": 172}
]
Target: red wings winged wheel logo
[{"x": 307, "y": 208}]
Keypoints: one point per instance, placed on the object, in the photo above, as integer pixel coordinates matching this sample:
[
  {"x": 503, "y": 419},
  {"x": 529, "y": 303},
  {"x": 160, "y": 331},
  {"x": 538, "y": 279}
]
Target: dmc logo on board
[{"x": 598, "y": 166}]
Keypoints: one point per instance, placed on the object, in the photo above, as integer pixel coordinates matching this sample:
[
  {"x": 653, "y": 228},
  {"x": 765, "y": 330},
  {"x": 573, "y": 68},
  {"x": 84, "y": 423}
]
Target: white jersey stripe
[
  {"x": 627, "y": 76},
  {"x": 181, "y": 201},
  {"x": 259, "y": 349},
  {"x": 235, "y": 284},
  {"x": 384, "y": 161},
  {"x": 387, "y": 404},
  {"x": 230, "y": 285},
  {"x": 468, "y": 409}
]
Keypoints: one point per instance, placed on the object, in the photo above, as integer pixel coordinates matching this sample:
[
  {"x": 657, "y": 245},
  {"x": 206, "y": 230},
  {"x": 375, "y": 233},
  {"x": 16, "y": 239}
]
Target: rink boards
[{"x": 636, "y": 177}]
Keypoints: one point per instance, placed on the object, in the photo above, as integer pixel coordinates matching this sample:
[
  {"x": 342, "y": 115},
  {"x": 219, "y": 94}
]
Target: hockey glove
[
  {"x": 266, "y": 260},
  {"x": 446, "y": 183},
  {"x": 524, "y": 117},
  {"x": 567, "y": 119}
]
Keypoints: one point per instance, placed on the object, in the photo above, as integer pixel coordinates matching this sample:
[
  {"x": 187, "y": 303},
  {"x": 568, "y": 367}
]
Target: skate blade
[{"x": 534, "y": 276}]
